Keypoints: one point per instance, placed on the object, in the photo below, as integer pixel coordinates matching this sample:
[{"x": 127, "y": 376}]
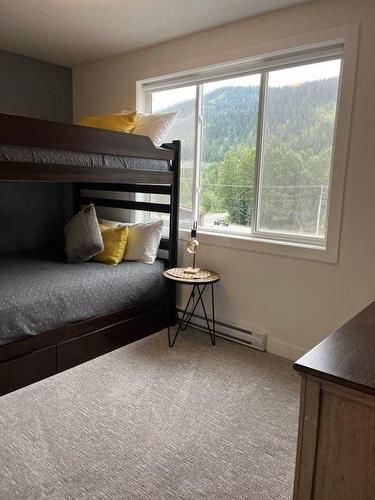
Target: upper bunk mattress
[
  {"x": 38, "y": 294},
  {"x": 30, "y": 154}
]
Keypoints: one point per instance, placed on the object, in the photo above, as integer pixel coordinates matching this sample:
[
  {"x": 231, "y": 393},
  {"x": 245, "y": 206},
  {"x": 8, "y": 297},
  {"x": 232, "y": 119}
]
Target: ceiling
[{"x": 72, "y": 32}]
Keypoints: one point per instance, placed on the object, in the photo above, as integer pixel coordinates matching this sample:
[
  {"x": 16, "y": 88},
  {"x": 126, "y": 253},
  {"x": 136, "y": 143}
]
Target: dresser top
[{"x": 347, "y": 356}]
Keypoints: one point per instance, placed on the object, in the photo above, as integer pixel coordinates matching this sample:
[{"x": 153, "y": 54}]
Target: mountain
[{"x": 298, "y": 116}]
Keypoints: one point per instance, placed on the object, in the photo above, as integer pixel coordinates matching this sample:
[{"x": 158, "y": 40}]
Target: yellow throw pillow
[
  {"x": 115, "y": 240},
  {"x": 119, "y": 123}
]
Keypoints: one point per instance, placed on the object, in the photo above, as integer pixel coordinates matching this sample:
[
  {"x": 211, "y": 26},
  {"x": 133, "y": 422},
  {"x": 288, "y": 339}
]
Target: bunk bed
[{"x": 98, "y": 161}]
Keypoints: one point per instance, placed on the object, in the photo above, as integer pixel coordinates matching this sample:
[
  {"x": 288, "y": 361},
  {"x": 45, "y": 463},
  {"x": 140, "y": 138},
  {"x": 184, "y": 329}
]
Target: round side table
[{"x": 196, "y": 296}]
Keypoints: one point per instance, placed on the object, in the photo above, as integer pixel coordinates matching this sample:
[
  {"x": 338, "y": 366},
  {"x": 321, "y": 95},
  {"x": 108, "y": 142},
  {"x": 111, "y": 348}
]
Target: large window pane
[
  {"x": 182, "y": 101},
  {"x": 299, "y": 122},
  {"x": 230, "y": 112}
]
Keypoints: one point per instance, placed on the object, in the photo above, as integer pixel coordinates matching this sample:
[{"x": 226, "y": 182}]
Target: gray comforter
[
  {"x": 38, "y": 294},
  {"x": 29, "y": 154}
]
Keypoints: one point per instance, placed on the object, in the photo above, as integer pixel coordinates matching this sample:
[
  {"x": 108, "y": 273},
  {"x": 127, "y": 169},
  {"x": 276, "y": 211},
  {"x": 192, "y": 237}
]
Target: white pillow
[
  {"x": 154, "y": 126},
  {"x": 143, "y": 239}
]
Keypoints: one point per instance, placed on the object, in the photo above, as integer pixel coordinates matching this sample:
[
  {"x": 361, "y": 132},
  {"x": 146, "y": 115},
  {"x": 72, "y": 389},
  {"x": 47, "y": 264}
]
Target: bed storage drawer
[
  {"x": 137, "y": 328},
  {"x": 27, "y": 369},
  {"x": 89, "y": 346}
]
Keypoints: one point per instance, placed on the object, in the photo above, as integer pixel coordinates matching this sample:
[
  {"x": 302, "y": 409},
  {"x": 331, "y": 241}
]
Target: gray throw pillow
[{"x": 83, "y": 239}]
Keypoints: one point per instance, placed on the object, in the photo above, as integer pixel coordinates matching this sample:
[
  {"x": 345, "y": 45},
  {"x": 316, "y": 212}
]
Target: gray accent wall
[
  {"x": 34, "y": 88},
  {"x": 32, "y": 215}
]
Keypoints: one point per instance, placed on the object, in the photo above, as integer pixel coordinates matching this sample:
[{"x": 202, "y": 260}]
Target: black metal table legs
[{"x": 184, "y": 322}]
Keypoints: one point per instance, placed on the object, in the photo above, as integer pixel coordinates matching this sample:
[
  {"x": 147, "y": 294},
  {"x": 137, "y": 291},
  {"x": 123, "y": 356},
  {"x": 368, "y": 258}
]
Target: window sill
[{"x": 263, "y": 245}]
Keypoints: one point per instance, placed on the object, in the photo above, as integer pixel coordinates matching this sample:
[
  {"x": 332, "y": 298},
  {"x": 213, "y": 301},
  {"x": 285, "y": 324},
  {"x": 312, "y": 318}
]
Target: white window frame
[{"x": 339, "y": 43}]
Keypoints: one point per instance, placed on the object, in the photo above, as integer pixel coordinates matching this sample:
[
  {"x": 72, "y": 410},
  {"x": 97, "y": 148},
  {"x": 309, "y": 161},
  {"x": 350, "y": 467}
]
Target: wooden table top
[
  {"x": 212, "y": 278},
  {"x": 347, "y": 356}
]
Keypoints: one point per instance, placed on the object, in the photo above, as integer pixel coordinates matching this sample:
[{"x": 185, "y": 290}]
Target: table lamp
[{"x": 191, "y": 246}]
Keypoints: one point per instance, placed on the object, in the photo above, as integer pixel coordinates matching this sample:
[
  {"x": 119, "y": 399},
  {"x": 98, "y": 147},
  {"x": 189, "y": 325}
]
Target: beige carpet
[{"x": 150, "y": 422}]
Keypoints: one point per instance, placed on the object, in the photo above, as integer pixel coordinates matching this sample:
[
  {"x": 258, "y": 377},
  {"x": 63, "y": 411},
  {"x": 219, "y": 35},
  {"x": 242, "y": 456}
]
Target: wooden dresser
[{"x": 336, "y": 436}]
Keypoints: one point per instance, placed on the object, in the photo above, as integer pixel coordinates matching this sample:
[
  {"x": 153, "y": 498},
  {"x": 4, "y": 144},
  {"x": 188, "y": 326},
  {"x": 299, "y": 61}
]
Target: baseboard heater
[{"x": 230, "y": 332}]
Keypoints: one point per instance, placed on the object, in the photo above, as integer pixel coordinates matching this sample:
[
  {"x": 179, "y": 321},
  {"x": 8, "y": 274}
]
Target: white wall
[{"x": 296, "y": 302}]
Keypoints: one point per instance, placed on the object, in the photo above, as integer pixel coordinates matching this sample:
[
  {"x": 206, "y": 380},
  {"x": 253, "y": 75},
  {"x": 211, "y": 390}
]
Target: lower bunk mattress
[{"x": 39, "y": 293}]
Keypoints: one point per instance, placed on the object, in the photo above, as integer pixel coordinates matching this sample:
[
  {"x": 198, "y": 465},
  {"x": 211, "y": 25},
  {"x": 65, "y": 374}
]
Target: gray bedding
[
  {"x": 38, "y": 294},
  {"x": 29, "y": 154}
]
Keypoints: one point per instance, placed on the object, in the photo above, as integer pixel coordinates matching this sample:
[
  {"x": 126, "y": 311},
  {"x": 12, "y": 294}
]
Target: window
[
  {"x": 181, "y": 100},
  {"x": 227, "y": 159},
  {"x": 257, "y": 145},
  {"x": 296, "y": 149}
]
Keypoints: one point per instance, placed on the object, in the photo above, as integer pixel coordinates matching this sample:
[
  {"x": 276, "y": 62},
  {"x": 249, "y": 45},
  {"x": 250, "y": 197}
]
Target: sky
[{"x": 279, "y": 78}]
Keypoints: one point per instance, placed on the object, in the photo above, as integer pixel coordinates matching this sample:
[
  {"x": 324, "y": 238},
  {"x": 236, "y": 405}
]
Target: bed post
[
  {"x": 173, "y": 227},
  {"x": 173, "y": 224}
]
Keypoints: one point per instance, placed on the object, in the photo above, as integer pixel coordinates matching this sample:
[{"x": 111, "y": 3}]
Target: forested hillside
[{"x": 299, "y": 123}]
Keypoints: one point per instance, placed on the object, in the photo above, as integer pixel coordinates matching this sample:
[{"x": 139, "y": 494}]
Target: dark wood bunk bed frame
[{"x": 34, "y": 358}]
